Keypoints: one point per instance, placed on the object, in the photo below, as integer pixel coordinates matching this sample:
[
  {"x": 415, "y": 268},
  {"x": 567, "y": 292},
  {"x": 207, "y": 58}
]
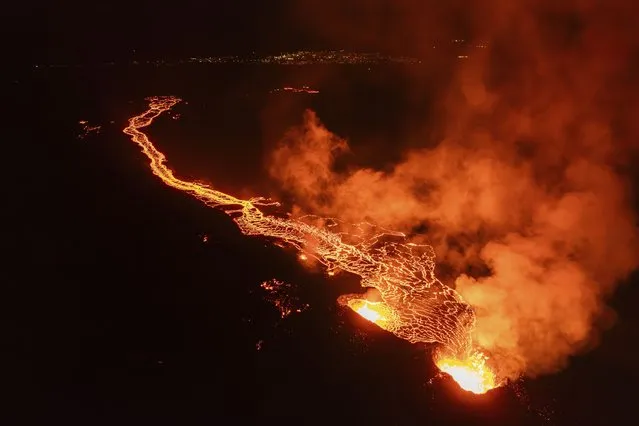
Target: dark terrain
[{"x": 117, "y": 312}]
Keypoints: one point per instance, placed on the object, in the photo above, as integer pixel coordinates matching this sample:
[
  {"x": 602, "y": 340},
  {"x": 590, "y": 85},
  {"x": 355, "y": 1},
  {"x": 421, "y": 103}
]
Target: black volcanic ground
[{"x": 118, "y": 313}]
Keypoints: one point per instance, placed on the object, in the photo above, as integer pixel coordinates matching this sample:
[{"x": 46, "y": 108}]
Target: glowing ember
[
  {"x": 87, "y": 129},
  {"x": 471, "y": 374},
  {"x": 280, "y": 295},
  {"x": 414, "y": 305}
]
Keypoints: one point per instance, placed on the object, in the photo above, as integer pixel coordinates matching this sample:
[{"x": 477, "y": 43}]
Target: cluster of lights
[
  {"x": 301, "y": 57},
  {"x": 303, "y": 89},
  {"x": 308, "y": 57}
]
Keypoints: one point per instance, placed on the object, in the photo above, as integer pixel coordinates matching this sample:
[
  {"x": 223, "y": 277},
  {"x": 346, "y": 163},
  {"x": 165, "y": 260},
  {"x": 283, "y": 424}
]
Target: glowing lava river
[{"x": 414, "y": 304}]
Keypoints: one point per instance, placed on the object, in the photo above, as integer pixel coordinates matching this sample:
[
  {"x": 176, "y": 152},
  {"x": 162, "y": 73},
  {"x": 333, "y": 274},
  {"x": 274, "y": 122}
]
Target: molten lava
[
  {"x": 470, "y": 373},
  {"x": 379, "y": 313},
  {"x": 369, "y": 313},
  {"x": 414, "y": 305}
]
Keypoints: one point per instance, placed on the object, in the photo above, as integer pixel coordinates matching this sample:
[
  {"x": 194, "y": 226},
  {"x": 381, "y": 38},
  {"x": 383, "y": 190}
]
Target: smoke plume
[{"x": 526, "y": 198}]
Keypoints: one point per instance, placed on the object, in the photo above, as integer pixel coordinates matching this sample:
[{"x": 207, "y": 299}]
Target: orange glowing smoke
[
  {"x": 522, "y": 167},
  {"x": 414, "y": 304}
]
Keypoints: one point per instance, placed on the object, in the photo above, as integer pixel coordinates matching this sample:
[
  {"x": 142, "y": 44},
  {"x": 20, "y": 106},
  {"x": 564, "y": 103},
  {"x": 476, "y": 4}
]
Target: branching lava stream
[{"x": 414, "y": 305}]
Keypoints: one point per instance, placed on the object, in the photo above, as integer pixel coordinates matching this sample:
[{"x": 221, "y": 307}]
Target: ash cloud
[{"x": 527, "y": 195}]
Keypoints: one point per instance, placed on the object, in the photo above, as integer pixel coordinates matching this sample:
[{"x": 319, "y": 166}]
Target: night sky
[
  {"x": 71, "y": 31},
  {"x": 116, "y": 312}
]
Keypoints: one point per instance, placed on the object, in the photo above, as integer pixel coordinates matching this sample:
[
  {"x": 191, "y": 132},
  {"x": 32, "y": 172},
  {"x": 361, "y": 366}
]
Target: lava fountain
[
  {"x": 414, "y": 305},
  {"x": 471, "y": 373}
]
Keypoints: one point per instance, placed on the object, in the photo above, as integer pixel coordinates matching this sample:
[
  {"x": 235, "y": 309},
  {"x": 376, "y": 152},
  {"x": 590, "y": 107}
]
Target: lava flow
[{"x": 414, "y": 304}]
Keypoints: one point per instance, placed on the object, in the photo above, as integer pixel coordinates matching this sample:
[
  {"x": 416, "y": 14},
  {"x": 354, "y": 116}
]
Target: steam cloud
[{"x": 526, "y": 198}]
